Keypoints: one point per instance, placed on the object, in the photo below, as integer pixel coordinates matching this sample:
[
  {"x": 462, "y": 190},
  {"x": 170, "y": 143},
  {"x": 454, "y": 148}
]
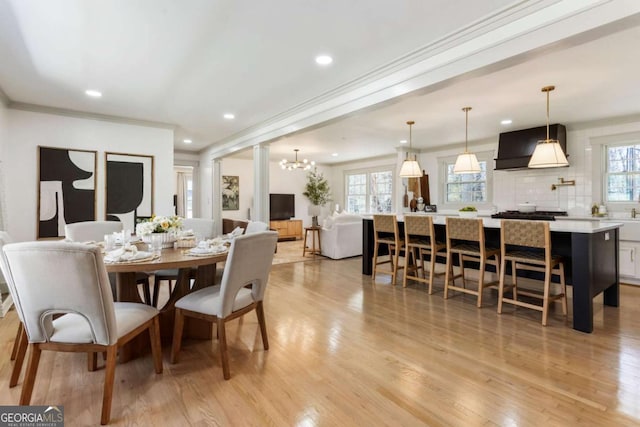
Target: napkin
[
  {"x": 126, "y": 253},
  {"x": 187, "y": 233},
  {"x": 205, "y": 250},
  {"x": 236, "y": 232}
]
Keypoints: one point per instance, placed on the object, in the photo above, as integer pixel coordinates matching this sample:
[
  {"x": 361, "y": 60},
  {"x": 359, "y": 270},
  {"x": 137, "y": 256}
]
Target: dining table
[{"x": 201, "y": 269}]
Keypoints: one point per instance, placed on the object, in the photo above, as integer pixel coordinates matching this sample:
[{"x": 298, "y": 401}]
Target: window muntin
[
  {"x": 466, "y": 187},
  {"x": 369, "y": 191}
]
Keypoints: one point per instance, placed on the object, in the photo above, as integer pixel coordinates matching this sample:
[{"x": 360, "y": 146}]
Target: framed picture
[
  {"x": 66, "y": 189},
  {"x": 230, "y": 193},
  {"x": 129, "y": 192}
]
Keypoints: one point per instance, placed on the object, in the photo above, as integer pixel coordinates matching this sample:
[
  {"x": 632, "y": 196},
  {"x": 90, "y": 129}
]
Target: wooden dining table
[{"x": 127, "y": 290}]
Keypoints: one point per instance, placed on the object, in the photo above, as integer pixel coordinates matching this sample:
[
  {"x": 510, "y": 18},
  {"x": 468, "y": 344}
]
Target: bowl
[{"x": 526, "y": 207}]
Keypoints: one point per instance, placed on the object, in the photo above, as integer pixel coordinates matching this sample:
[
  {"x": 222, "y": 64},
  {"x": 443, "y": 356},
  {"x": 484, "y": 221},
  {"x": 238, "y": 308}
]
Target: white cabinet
[{"x": 628, "y": 255}]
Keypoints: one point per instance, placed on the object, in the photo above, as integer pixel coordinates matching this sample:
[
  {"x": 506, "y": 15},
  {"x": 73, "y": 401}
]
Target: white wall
[
  {"x": 4, "y": 136},
  {"x": 27, "y": 130}
]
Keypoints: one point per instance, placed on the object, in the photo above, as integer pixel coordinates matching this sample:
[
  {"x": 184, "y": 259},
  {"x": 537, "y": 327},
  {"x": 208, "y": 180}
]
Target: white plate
[
  {"x": 149, "y": 257},
  {"x": 208, "y": 253}
]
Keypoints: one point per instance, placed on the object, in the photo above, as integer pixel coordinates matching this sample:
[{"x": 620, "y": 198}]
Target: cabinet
[
  {"x": 287, "y": 229},
  {"x": 628, "y": 256}
]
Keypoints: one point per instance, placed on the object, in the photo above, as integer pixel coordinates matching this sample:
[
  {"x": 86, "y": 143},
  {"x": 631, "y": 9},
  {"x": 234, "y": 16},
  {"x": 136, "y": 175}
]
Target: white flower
[{"x": 159, "y": 224}]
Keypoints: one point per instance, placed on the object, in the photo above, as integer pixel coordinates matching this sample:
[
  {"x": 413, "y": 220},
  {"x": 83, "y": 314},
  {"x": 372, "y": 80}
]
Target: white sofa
[{"x": 341, "y": 236}]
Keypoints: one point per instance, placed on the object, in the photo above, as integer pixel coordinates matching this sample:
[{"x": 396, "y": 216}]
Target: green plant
[
  {"x": 317, "y": 188},
  {"x": 469, "y": 209}
]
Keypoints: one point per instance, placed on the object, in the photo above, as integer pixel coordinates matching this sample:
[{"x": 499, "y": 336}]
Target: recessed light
[
  {"x": 324, "y": 60},
  {"x": 506, "y": 122},
  {"x": 334, "y": 154},
  {"x": 93, "y": 93},
  {"x": 229, "y": 116},
  {"x": 187, "y": 141},
  {"x": 403, "y": 141}
]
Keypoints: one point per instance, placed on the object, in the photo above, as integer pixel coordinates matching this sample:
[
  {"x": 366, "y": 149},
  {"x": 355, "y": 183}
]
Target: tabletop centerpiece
[{"x": 165, "y": 226}]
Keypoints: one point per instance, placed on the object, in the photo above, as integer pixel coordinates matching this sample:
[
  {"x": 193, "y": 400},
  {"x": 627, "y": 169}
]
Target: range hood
[{"x": 515, "y": 148}]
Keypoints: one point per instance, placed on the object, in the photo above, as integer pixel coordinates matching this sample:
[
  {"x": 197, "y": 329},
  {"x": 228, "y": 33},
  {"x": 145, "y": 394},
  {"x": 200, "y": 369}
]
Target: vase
[{"x": 168, "y": 239}]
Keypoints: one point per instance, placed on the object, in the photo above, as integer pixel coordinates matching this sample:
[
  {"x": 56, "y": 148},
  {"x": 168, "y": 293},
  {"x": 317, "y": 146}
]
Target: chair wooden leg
[
  {"x": 563, "y": 289},
  {"x": 177, "y": 335},
  {"x": 263, "y": 325},
  {"x": 448, "y": 274},
  {"x": 30, "y": 377},
  {"x": 461, "y": 262},
  {"x": 109, "y": 379},
  {"x": 156, "y": 345},
  {"x": 432, "y": 267},
  {"x": 407, "y": 260},
  {"x": 545, "y": 299},
  {"x": 92, "y": 361},
  {"x": 224, "y": 355},
  {"x": 375, "y": 260},
  {"x": 146, "y": 287},
  {"x": 156, "y": 291},
  {"x": 23, "y": 342},
  {"x": 503, "y": 268},
  {"x": 16, "y": 342},
  {"x": 481, "y": 281},
  {"x": 514, "y": 279}
]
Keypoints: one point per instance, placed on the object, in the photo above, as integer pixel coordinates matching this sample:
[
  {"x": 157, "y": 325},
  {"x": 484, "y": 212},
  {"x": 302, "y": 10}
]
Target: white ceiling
[{"x": 185, "y": 63}]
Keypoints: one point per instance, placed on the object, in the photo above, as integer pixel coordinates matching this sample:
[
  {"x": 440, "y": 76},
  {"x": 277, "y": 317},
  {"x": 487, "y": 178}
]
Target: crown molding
[
  {"x": 525, "y": 26},
  {"x": 35, "y": 108}
]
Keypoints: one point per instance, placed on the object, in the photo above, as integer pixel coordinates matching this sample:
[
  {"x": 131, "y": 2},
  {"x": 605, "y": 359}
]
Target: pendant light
[
  {"x": 410, "y": 168},
  {"x": 466, "y": 162},
  {"x": 548, "y": 153}
]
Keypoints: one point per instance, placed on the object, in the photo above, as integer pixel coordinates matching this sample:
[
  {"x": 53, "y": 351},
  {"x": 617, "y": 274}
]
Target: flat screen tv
[{"x": 281, "y": 206}]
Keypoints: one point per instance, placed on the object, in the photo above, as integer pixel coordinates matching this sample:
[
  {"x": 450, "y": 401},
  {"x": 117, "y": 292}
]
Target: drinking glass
[
  {"x": 156, "y": 243},
  {"x": 109, "y": 242}
]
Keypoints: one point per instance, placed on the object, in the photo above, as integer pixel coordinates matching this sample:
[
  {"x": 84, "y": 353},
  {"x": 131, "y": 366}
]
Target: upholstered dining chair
[
  {"x": 527, "y": 246},
  {"x": 201, "y": 227},
  {"x": 244, "y": 281},
  {"x": 94, "y": 231},
  {"x": 465, "y": 238},
  {"x": 20, "y": 343},
  {"x": 256, "y": 227},
  {"x": 69, "y": 280}
]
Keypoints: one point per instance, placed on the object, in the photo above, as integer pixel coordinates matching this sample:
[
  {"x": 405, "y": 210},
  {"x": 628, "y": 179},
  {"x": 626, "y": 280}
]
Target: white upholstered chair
[
  {"x": 256, "y": 227},
  {"x": 244, "y": 280},
  {"x": 20, "y": 343},
  {"x": 69, "y": 280},
  {"x": 94, "y": 231}
]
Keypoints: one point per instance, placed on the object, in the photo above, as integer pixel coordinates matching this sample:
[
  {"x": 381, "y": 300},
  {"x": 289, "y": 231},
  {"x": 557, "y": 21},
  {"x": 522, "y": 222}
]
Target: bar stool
[
  {"x": 465, "y": 237},
  {"x": 527, "y": 245},
  {"x": 385, "y": 232},
  {"x": 420, "y": 242}
]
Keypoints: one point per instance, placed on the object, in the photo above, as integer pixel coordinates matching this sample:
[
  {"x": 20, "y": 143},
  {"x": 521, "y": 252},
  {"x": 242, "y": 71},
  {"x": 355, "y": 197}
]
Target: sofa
[{"x": 341, "y": 236}]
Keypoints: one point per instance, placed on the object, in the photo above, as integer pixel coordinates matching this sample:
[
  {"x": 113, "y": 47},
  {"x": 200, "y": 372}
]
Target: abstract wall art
[
  {"x": 230, "y": 193},
  {"x": 66, "y": 189},
  {"x": 129, "y": 192}
]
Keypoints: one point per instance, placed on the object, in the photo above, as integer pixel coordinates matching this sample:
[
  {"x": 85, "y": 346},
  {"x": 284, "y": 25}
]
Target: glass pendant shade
[
  {"x": 548, "y": 153},
  {"x": 466, "y": 162},
  {"x": 410, "y": 168}
]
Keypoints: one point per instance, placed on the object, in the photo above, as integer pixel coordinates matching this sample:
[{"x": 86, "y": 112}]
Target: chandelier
[{"x": 296, "y": 164}]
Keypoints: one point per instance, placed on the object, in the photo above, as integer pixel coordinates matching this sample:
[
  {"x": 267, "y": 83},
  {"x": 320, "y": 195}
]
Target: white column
[
  {"x": 260, "y": 209},
  {"x": 216, "y": 194}
]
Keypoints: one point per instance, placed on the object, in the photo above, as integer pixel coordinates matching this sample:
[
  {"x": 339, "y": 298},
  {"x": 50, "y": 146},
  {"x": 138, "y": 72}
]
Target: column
[
  {"x": 216, "y": 194},
  {"x": 260, "y": 209}
]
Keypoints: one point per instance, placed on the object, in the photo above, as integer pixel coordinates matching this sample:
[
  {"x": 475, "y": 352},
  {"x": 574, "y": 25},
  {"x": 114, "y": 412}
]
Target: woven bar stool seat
[
  {"x": 465, "y": 237},
  {"x": 527, "y": 246},
  {"x": 420, "y": 243}
]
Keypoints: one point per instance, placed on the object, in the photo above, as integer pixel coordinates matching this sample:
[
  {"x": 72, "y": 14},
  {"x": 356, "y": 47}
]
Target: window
[
  {"x": 468, "y": 188},
  {"x": 622, "y": 173},
  {"x": 369, "y": 191}
]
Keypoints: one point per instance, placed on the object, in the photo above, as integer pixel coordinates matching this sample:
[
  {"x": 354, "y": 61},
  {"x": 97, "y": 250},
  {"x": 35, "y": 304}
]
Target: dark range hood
[{"x": 515, "y": 148}]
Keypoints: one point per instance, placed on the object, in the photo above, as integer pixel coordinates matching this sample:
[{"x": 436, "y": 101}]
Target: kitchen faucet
[{"x": 633, "y": 212}]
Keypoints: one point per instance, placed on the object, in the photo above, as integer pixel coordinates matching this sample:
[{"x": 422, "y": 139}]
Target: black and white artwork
[
  {"x": 230, "y": 193},
  {"x": 129, "y": 188},
  {"x": 67, "y": 189}
]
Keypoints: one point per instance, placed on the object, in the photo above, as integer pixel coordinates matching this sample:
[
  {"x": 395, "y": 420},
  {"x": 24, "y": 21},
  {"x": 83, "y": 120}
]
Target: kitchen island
[{"x": 590, "y": 250}]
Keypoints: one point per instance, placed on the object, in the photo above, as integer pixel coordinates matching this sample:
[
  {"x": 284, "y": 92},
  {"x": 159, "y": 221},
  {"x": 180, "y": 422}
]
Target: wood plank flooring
[{"x": 346, "y": 351}]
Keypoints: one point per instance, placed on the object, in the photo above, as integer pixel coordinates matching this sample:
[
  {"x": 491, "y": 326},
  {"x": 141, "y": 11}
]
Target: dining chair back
[
  {"x": 20, "y": 342},
  {"x": 465, "y": 237},
  {"x": 91, "y": 230},
  {"x": 63, "y": 294},
  {"x": 527, "y": 246},
  {"x": 202, "y": 227},
  {"x": 256, "y": 227},
  {"x": 242, "y": 289},
  {"x": 386, "y": 232}
]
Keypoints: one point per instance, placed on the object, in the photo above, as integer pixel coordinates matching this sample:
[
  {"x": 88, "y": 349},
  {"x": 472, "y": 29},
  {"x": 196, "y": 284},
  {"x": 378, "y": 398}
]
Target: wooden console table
[{"x": 287, "y": 229}]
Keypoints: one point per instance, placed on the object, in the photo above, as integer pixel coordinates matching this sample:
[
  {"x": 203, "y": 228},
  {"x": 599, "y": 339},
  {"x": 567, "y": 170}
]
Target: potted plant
[
  {"x": 468, "y": 212},
  {"x": 318, "y": 192}
]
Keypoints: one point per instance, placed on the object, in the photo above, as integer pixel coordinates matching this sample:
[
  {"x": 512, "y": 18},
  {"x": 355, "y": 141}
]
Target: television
[{"x": 281, "y": 206}]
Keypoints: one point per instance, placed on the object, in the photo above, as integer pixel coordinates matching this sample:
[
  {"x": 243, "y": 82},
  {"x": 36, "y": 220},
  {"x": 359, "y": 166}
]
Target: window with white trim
[
  {"x": 369, "y": 191},
  {"x": 622, "y": 173},
  {"x": 459, "y": 190}
]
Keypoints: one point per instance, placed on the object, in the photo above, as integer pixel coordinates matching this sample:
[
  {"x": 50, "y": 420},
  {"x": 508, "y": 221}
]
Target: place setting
[{"x": 129, "y": 253}]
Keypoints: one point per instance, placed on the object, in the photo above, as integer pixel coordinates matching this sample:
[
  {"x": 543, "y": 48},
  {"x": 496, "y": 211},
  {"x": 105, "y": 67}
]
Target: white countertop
[{"x": 565, "y": 225}]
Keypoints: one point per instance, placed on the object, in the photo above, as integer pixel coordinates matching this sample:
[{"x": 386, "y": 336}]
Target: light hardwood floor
[{"x": 346, "y": 351}]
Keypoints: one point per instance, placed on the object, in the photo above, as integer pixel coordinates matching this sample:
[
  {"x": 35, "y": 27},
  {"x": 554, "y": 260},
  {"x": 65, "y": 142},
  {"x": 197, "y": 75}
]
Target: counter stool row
[{"x": 525, "y": 245}]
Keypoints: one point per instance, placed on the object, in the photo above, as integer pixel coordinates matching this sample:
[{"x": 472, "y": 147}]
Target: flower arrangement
[{"x": 159, "y": 224}]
